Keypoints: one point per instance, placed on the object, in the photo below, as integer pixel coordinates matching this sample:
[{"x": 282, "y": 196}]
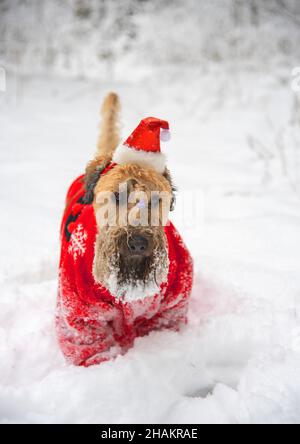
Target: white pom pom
[{"x": 165, "y": 135}]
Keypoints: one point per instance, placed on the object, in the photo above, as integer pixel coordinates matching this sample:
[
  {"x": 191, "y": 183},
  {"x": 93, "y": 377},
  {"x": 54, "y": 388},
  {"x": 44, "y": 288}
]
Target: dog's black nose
[{"x": 138, "y": 244}]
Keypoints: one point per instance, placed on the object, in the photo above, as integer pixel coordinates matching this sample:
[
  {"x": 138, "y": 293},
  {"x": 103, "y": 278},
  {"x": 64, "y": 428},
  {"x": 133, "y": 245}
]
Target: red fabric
[
  {"x": 146, "y": 136},
  {"x": 92, "y": 325}
]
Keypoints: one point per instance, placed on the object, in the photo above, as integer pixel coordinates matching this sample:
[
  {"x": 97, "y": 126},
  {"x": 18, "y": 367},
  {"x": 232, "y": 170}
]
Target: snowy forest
[
  {"x": 226, "y": 75},
  {"x": 110, "y": 38}
]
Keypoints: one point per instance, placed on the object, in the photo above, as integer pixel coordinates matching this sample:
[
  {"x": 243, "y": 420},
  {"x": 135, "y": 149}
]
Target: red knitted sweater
[{"x": 93, "y": 325}]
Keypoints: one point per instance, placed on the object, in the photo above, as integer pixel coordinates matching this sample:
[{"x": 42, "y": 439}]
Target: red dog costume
[{"x": 92, "y": 324}]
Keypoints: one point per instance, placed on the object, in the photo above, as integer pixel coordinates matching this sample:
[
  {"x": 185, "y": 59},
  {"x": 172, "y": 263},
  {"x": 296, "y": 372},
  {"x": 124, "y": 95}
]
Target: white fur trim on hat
[{"x": 126, "y": 154}]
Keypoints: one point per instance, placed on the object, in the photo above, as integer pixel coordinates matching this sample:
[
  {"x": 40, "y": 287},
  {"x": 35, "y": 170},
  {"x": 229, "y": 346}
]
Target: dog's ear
[
  {"x": 92, "y": 175},
  {"x": 167, "y": 175}
]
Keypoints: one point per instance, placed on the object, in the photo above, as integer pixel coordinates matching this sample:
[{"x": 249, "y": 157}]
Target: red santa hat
[{"x": 143, "y": 145}]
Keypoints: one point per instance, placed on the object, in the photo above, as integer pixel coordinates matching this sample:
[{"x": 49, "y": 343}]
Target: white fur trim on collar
[{"x": 125, "y": 154}]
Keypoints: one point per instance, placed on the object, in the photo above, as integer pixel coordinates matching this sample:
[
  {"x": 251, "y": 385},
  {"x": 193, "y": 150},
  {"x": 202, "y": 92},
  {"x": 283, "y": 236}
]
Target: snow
[
  {"x": 238, "y": 360},
  {"x": 235, "y": 152},
  {"x": 130, "y": 292}
]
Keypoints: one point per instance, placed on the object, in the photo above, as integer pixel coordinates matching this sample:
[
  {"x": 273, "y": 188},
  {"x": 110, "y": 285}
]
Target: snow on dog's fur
[
  {"x": 112, "y": 253},
  {"x": 118, "y": 281},
  {"x": 113, "y": 262}
]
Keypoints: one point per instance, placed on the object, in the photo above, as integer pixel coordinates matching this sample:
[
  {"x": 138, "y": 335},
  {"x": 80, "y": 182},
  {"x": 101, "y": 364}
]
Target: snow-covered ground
[{"x": 235, "y": 147}]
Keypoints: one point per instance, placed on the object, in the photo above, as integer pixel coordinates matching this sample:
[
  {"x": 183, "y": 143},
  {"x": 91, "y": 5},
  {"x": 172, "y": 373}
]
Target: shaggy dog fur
[
  {"x": 122, "y": 280},
  {"x": 111, "y": 252}
]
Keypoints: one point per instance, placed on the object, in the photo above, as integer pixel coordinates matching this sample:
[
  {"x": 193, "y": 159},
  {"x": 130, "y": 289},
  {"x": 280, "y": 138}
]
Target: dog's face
[{"x": 131, "y": 205}]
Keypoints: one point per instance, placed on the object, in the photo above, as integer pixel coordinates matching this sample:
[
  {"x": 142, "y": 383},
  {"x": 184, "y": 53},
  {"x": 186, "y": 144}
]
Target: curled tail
[{"x": 109, "y": 137}]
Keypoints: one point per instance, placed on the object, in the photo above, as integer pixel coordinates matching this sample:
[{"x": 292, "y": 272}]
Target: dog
[{"x": 124, "y": 270}]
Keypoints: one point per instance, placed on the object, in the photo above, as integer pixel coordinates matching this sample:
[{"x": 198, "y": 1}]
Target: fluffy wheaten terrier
[{"x": 124, "y": 269}]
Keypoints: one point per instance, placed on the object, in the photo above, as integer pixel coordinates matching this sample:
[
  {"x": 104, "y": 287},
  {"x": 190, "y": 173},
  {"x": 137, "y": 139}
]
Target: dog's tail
[{"x": 109, "y": 137}]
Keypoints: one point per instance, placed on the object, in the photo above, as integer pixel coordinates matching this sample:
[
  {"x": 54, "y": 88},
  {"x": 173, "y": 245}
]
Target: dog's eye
[{"x": 120, "y": 198}]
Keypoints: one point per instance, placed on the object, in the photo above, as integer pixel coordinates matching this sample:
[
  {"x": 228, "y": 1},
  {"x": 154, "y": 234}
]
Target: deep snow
[{"x": 235, "y": 146}]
